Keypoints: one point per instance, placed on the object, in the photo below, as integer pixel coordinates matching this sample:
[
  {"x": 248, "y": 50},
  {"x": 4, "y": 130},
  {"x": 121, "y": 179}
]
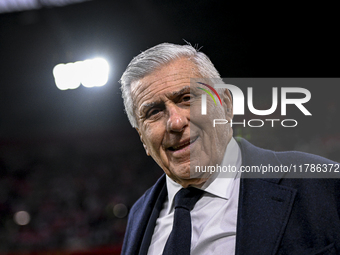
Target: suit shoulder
[{"x": 302, "y": 157}]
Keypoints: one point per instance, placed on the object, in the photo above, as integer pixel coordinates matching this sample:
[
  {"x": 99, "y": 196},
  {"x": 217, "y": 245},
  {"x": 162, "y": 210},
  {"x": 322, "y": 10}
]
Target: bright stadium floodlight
[
  {"x": 95, "y": 72},
  {"x": 67, "y": 76},
  {"x": 90, "y": 73}
]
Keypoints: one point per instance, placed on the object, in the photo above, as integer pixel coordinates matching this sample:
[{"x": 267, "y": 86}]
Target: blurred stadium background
[{"x": 70, "y": 164}]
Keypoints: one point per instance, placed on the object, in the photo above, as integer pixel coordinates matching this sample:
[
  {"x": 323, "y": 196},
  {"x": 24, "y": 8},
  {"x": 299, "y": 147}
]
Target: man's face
[{"x": 170, "y": 124}]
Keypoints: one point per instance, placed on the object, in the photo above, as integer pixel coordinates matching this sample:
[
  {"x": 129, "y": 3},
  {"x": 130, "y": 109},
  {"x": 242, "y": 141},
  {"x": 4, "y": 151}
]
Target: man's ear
[
  {"x": 144, "y": 145},
  {"x": 227, "y": 103}
]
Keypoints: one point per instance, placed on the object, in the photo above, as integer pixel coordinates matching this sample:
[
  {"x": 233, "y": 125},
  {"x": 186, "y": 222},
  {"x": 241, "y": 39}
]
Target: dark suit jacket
[{"x": 275, "y": 216}]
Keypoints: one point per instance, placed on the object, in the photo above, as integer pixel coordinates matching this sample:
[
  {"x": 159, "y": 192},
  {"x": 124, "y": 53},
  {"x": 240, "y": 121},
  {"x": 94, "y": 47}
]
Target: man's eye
[
  {"x": 186, "y": 98},
  {"x": 153, "y": 112}
]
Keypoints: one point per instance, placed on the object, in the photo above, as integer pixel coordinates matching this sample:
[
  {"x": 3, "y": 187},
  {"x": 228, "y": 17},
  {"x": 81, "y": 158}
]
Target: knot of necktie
[{"x": 187, "y": 198}]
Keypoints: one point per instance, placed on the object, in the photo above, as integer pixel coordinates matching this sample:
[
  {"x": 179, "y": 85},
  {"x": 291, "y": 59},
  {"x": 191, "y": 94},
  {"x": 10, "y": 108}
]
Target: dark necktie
[{"x": 179, "y": 240}]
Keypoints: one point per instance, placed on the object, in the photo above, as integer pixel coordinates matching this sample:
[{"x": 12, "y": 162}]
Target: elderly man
[{"x": 201, "y": 213}]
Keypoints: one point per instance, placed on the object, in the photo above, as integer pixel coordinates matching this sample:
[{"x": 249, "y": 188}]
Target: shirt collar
[{"x": 219, "y": 184}]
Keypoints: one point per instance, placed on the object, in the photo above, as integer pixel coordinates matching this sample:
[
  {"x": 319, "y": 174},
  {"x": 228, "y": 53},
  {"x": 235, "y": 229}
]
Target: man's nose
[{"x": 177, "y": 119}]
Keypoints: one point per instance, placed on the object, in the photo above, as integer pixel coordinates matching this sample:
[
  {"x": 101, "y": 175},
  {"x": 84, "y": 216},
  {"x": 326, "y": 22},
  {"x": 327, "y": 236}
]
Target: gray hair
[{"x": 154, "y": 58}]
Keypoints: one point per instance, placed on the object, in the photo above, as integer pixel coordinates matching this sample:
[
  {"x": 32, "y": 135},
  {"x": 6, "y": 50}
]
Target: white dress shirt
[{"x": 214, "y": 215}]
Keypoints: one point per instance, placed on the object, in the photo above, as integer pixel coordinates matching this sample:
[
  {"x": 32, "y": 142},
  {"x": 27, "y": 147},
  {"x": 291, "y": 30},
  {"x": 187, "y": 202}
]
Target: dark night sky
[{"x": 257, "y": 41}]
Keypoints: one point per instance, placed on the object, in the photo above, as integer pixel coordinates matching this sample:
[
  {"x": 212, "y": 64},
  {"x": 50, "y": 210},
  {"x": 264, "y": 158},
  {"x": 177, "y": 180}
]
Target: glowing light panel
[{"x": 90, "y": 73}]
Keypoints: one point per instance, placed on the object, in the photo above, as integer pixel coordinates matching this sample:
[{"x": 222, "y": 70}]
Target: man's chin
[
  {"x": 192, "y": 179},
  {"x": 194, "y": 182},
  {"x": 187, "y": 175},
  {"x": 188, "y": 172}
]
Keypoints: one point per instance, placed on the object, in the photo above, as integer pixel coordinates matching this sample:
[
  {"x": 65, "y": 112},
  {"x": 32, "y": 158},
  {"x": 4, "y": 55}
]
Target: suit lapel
[
  {"x": 142, "y": 217},
  {"x": 264, "y": 206},
  {"x": 152, "y": 222}
]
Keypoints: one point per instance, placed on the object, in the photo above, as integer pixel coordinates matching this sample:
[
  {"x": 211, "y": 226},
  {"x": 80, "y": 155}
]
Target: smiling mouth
[{"x": 182, "y": 145}]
